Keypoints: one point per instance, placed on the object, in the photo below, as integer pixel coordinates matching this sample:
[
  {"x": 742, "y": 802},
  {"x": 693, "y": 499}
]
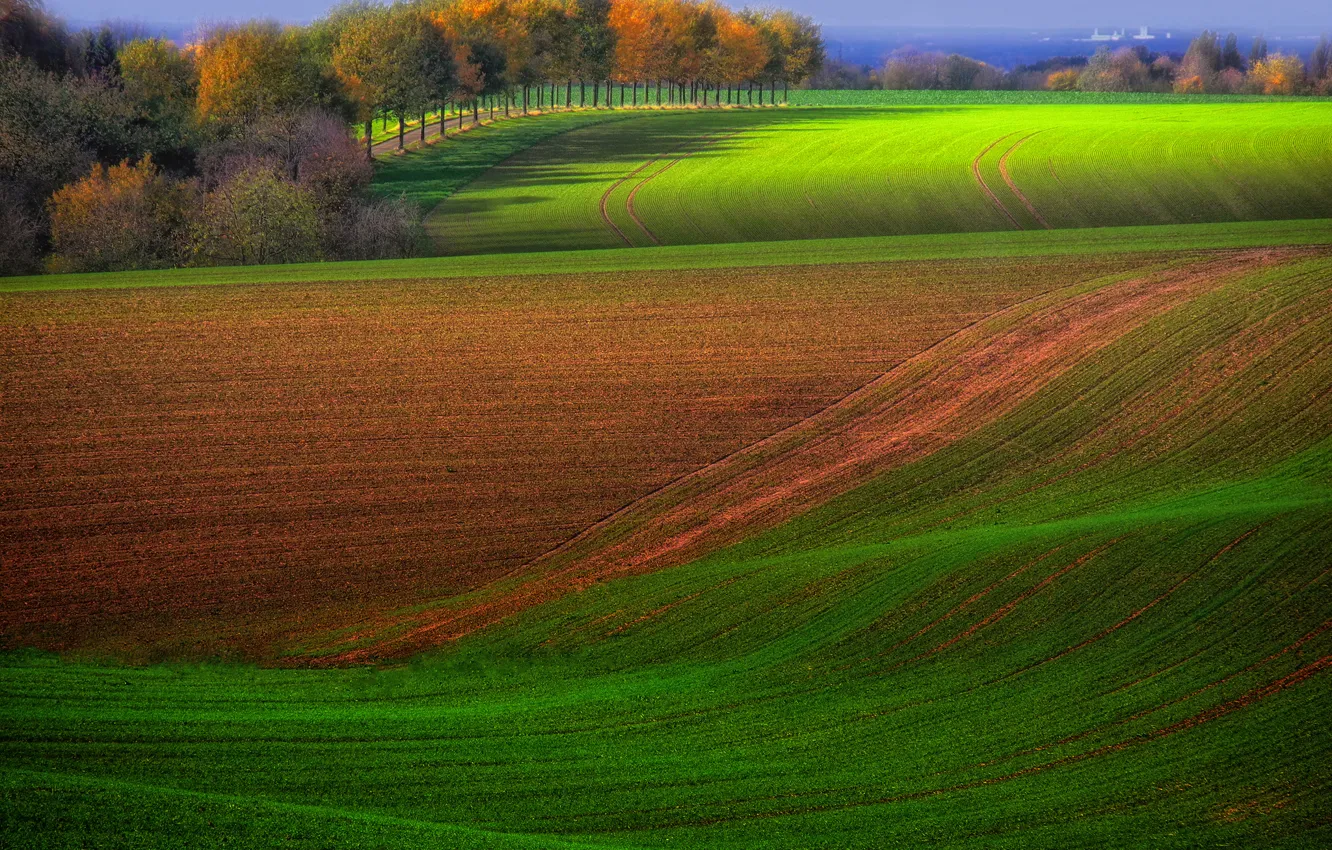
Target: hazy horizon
[{"x": 1043, "y": 14}]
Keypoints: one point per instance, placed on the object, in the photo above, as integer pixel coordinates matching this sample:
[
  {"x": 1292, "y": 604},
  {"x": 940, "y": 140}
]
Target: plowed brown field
[
  {"x": 227, "y": 470},
  {"x": 948, "y": 390}
]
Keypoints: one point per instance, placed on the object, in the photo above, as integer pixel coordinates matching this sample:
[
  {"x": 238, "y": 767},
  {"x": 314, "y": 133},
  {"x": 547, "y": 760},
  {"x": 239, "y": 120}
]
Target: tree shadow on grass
[{"x": 630, "y": 137}]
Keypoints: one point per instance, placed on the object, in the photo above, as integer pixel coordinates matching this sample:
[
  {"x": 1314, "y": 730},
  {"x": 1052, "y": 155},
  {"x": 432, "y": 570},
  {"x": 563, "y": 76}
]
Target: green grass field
[
  {"x": 1075, "y": 593},
  {"x": 775, "y": 174}
]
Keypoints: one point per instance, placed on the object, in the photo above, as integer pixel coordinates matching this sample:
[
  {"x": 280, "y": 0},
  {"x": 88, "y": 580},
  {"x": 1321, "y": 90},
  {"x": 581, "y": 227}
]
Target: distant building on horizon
[
  {"x": 1143, "y": 35},
  {"x": 1097, "y": 35}
]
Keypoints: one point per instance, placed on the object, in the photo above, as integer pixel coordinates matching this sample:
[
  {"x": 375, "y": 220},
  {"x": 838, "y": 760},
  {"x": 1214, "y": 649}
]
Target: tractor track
[
  {"x": 1003, "y": 172},
  {"x": 629, "y": 202},
  {"x": 989, "y": 193}
]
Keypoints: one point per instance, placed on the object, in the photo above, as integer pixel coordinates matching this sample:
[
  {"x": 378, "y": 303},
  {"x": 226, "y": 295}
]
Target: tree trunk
[
  {"x": 568, "y": 94},
  {"x": 786, "y": 91},
  {"x": 423, "y": 126},
  {"x": 772, "y": 93},
  {"x": 370, "y": 139},
  {"x": 402, "y": 129},
  {"x": 596, "y": 93}
]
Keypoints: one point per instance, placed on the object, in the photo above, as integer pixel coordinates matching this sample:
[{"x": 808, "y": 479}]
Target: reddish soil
[{"x": 229, "y": 470}]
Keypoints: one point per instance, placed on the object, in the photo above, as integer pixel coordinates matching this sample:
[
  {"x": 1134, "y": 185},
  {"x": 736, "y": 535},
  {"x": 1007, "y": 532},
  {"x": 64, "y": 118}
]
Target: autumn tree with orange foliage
[
  {"x": 1277, "y": 74},
  {"x": 252, "y": 71}
]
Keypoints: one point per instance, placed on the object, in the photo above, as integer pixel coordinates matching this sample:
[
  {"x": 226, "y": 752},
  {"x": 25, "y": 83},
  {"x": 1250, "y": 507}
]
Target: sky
[{"x": 1313, "y": 14}]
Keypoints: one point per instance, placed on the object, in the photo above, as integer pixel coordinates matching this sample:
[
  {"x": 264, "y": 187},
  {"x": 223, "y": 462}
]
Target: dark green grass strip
[{"x": 1186, "y": 237}]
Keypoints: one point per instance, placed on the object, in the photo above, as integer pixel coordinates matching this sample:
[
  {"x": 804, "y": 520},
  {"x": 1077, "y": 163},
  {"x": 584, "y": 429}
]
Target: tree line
[
  {"x": 1210, "y": 65},
  {"x": 120, "y": 152}
]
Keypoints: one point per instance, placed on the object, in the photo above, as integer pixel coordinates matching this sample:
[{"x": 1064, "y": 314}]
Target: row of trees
[
  {"x": 1210, "y": 65},
  {"x": 409, "y": 58},
  {"x": 235, "y": 148}
]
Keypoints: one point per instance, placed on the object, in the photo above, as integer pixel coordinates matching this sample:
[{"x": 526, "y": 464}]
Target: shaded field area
[
  {"x": 1057, "y": 577},
  {"x": 220, "y": 470},
  {"x": 736, "y": 176},
  {"x": 428, "y": 176}
]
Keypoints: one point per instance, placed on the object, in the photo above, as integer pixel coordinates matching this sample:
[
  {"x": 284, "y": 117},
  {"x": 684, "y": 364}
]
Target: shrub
[
  {"x": 329, "y": 161},
  {"x": 117, "y": 218},
  {"x": 1277, "y": 74},
  {"x": 254, "y": 217},
  {"x": 20, "y": 232},
  {"x": 380, "y": 230},
  {"x": 1065, "y": 80},
  {"x": 1120, "y": 71},
  {"x": 1189, "y": 84}
]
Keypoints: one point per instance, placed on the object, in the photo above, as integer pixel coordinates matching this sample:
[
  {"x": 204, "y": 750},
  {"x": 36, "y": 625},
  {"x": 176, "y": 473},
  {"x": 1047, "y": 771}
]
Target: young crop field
[
  {"x": 1013, "y": 548},
  {"x": 731, "y": 176}
]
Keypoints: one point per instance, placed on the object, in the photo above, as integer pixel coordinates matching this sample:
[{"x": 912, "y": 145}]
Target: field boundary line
[
  {"x": 1003, "y": 172},
  {"x": 994, "y": 199}
]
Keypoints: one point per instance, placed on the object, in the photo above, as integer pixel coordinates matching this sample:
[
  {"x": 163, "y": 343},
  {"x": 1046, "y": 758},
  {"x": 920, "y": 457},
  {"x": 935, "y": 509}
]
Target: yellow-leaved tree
[{"x": 122, "y": 217}]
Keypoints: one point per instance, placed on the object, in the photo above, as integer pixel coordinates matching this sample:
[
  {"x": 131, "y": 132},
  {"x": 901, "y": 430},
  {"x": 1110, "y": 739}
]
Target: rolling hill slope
[
  {"x": 195, "y": 471},
  {"x": 1058, "y": 576}
]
